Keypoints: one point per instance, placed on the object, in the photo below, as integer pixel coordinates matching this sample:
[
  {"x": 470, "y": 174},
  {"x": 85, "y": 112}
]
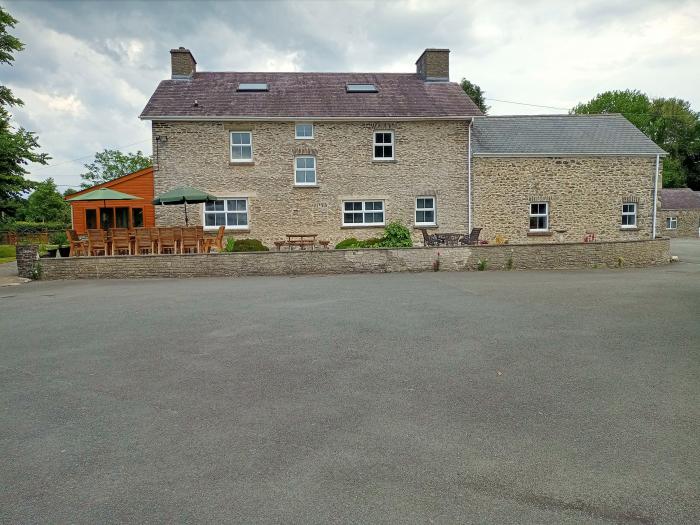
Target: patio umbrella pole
[{"x": 186, "y": 221}]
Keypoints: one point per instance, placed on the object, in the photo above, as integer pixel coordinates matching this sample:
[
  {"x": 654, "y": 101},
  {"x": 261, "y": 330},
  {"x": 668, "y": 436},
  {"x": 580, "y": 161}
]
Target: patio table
[{"x": 302, "y": 240}]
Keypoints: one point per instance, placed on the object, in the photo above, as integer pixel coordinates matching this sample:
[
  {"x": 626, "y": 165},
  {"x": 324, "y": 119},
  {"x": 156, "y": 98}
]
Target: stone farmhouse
[
  {"x": 679, "y": 214},
  {"x": 343, "y": 154}
]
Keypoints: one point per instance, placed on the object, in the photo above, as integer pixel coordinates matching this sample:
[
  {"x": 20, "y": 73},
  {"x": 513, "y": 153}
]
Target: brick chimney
[
  {"x": 434, "y": 65},
  {"x": 182, "y": 63}
]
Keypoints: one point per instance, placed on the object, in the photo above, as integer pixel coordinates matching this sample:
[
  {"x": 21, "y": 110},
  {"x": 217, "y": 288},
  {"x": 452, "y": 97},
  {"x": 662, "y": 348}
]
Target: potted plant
[{"x": 60, "y": 239}]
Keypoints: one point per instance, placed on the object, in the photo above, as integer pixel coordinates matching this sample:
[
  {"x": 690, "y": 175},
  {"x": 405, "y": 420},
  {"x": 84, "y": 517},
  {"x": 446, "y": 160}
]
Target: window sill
[
  {"x": 226, "y": 229},
  {"x": 352, "y": 226},
  {"x": 629, "y": 228},
  {"x": 384, "y": 161},
  {"x": 305, "y": 186},
  {"x": 425, "y": 226},
  {"x": 540, "y": 233},
  {"x": 303, "y": 138},
  {"x": 243, "y": 163}
]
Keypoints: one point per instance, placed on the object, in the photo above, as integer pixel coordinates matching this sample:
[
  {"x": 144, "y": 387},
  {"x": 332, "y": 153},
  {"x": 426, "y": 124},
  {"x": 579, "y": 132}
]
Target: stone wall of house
[
  {"x": 688, "y": 223},
  {"x": 492, "y": 257},
  {"x": 430, "y": 159},
  {"x": 585, "y": 195}
]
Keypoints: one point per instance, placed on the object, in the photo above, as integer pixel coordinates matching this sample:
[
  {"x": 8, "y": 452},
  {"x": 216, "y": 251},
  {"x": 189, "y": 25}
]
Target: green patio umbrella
[
  {"x": 184, "y": 195},
  {"x": 104, "y": 195}
]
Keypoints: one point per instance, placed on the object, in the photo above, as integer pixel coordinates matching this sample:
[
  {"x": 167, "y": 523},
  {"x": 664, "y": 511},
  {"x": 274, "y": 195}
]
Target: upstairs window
[
  {"x": 231, "y": 213},
  {"x": 671, "y": 223},
  {"x": 241, "y": 146},
  {"x": 305, "y": 171},
  {"x": 360, "y": 88},
  {"x": 629, "y": 215},
  {"x": 252, "y": 86},
  {"x": 304, "y": 131},
  {"x": 383, "y": 145},
  {"x": 539, "y": 216},
  {"x": 425, "y": 211}
]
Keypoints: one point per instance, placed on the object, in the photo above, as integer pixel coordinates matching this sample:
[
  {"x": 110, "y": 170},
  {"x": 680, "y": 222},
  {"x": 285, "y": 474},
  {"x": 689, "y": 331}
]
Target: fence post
[{"x": 27, "y": 260}]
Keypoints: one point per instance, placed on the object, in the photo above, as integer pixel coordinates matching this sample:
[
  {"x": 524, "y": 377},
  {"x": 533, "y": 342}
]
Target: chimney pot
[
  {"x": 182, "y": 63},
  {"x": 434, "y": 65}
]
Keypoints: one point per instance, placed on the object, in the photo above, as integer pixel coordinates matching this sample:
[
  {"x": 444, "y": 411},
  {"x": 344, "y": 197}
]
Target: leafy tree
[
  {"x": 46, "y": 204},
  {"x": 110, "y": 164},
  {"x": 17, "y": 146},
  {"x": 670, "y": 122},
  {"x": 69, "y": 191},
  {"x": 476, "y": 94}
]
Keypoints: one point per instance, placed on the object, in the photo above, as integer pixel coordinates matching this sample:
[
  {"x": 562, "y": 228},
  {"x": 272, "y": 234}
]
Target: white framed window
[
  {"x": 231, "y": 213},
  {"x": 363, "y": 213},
  {"x": 305, "y": 171},
  {"x": 241, "y": 146},
  {"x": 425, "y": 211},
  {"x": 539, "y": 216},
  {"x": 383, "y": 145},
  {"x": 304, "y": 130},
  {"x": 629, "y": 215},
  {"x": 671, "y": 223}
]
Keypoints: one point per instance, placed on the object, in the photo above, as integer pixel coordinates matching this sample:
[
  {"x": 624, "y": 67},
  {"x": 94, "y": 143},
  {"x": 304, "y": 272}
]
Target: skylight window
[
  {"x": 361, "y": 88},
  {"x": 252, "y": 86}
]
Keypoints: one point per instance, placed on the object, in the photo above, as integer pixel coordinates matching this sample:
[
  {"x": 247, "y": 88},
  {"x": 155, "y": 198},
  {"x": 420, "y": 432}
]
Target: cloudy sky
[{"x": 89, "y": 67}]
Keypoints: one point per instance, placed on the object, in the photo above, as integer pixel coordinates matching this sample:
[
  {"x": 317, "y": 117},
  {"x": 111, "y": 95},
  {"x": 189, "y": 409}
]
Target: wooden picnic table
[{"x": 302, "y": 240}]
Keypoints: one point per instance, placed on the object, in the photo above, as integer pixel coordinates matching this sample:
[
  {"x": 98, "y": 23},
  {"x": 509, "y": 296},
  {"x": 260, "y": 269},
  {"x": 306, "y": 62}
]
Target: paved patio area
[{"x": 496, "y": 397}]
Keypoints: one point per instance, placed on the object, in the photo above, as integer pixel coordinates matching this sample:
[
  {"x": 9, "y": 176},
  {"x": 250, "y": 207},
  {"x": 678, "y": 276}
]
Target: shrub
[
  {"x": 59, "y": 238},
  {"x": 33, "y": 227},
  {"x": 230, "y": 243},
  {"x": 509, "y": 263},
  {"x": 396, "y": 235},
  {"x": 347, "y": 243},
  {"x": 482, "y": 264},
  {"x": 372, "y": 242},
  {"x": 248, "y": 245}
]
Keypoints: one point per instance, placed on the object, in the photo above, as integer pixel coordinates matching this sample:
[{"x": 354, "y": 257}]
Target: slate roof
[
  {"x": 679, "y": 199},
  {"x": 555, "y": 135},
  {"x": 308, "y": 95}
]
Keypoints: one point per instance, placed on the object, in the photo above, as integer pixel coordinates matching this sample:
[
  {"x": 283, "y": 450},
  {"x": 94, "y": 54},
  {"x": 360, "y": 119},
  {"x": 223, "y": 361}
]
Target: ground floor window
[
  {"x": 671, "y": 223},
  {"x": 231, "y": 213},
  {"x": 539, "y": 216},
  {"x": 122, "y": 217},
  {"x": 91, "y": 219},
  {"x": 629, "y": 215},
  {"x": 137, "y": 217},
  {"x": 107, "y": 218},
  {"x": 363, "y": 213},
  {"x": 425, "y": 211}
]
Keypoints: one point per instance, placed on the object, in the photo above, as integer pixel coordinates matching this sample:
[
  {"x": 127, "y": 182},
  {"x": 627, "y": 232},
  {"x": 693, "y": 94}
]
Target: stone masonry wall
[
  {"x": 585, "y": 194},
  {"x": 688, "y": 223},
  {"x": 501, "y": 257},
  {"x": 431, "y": 159}
]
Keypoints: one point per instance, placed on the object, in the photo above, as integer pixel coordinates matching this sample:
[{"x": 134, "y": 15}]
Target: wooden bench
[{"x": 302, "y": 240}]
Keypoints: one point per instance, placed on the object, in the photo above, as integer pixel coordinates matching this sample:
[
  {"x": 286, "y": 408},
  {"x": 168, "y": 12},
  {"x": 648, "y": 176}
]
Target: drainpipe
[
  {"x": 469, "y": 178},
  {"x": 656, "y": 193}
]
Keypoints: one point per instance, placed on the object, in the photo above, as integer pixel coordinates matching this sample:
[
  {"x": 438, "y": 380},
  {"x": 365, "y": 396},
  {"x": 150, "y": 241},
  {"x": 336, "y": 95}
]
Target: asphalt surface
[{"x": 484, "y": 397}]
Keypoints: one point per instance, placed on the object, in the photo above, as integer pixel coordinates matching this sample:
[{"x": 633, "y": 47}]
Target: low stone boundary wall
[{"x": 463, "y": 258}]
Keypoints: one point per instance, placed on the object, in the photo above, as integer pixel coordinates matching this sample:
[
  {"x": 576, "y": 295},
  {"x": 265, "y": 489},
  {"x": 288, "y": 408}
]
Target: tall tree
[
  {"x": 670, "y": 122},
  {"x": 46, "y": 204},
  {"x": 110, "y": 164},
  {"x": 18, "y": 147},
  {"x": 475, "y": 93}
]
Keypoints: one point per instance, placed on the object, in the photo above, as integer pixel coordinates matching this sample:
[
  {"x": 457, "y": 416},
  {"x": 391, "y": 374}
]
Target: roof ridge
[
  {"x": 306, "y": 73},
  {"x": 549, "y": 115}
]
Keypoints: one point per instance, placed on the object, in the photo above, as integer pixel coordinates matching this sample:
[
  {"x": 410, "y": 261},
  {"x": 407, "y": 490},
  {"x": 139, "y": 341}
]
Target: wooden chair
[
  {"x": 189, "y": 242},
  {"x": 472, "y": 238},
  {"x": 217, "y": 242},
  {"x": 167, "y": 241},
  {"x": 121, "y": 242},
  {"x": 97, "y": 242},
  {"x": 429, "y": 240},
  {"x": 77, "y": 246},
  {"x": 201, "y": 241},
  {"x": 144, "y": 241}
]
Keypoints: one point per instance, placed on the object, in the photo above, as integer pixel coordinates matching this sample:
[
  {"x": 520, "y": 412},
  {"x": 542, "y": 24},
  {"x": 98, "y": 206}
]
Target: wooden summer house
[{"x": 117, "y": 214}]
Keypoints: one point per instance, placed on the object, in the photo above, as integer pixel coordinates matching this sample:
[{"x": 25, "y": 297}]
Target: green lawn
[{"x": 7, "y": 253}]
